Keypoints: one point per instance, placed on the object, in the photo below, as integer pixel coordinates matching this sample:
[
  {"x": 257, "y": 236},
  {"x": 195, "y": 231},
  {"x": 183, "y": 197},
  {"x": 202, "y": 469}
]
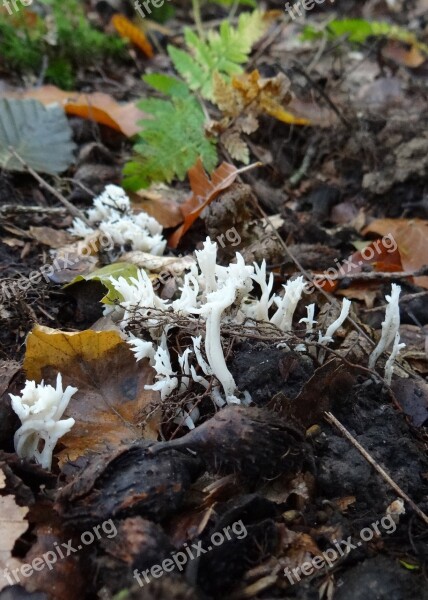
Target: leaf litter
[{"x": 337, "y": 117}]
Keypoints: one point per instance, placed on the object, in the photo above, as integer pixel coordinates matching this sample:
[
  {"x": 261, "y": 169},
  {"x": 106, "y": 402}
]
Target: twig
[
  {"x": 303, "y": 169},
  {"x": 375, "y": 275},
  {"x": 18, "y": 209},
  {"x": 70, "y": 207},
  {"x": 333, "y": 421}
]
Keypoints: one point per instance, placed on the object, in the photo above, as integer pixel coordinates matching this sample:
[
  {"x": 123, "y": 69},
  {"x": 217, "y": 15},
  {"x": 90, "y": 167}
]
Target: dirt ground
[{"x": 279, "y": 467}]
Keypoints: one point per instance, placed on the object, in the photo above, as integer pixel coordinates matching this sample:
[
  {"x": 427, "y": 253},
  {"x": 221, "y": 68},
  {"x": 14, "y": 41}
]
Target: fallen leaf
[
  {"x": 41, "y": 136},
  {"x": 54, "y": 238},
  {"x": 380, "y": 257},
  {"x": 412, "y": 396},
  {"x": 205, "y": 190},
  {"x": 126, "y": 29},
  {"x": 12, "y": 526},
  {"x": 98, "y": 107},
  {"x": 65, "y": 578},
  {"x": 111, "y": 399},
  {"x": 159, "y": 204},
  {"x": 411, "y": 236},
  {"x": 411, "y": 57}
]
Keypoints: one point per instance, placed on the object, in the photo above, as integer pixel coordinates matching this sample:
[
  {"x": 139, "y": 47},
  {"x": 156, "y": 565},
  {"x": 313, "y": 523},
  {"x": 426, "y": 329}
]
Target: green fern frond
[
  {"x": 171, "y": 141},
  {"x": 223, "y": 51}
]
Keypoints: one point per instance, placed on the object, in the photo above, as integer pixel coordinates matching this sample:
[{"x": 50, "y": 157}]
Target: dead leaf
[
  {"x": 126, "y": 29},
  {"x": 412, "y": 396},
  {"x": 411, "y": 57},
  {"x": 12, "y": 526},
  {"x": 54, "y": 238},
  {"x": 98, "y": 107},
  {"x": 65, "y": 579},
  {"x": 205, "y": 190},
  {"x": 411, "y": 236},
  {"x": 159, "y": 203},
  {"x": 111, "y": 398},
  {"x": 378, "y": 256}
]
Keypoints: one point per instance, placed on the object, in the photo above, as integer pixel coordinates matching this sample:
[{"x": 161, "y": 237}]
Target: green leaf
[
  {"x": 170, "y": 86},
  {"x": 40, "y": 135},
  {"x": 358, "y": 30},
  {"x": 170, "y": 142},
  {"x": 119, "y": 269},
  {"x": 223, "y": 51}
]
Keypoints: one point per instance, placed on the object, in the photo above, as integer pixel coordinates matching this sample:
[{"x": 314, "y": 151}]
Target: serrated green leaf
[
  {"x": 170, "y": 142},
  {"x": 223, "y": 51},
  {"x": 40, "y": 135}
]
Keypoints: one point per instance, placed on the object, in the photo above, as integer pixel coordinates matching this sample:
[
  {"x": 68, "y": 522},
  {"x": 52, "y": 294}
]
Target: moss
[{"x": 63, "y": 37}]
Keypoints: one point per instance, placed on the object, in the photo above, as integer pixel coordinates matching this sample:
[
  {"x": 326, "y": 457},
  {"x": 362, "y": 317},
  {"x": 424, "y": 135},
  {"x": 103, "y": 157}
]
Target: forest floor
[{"x": 308, "y": 515}]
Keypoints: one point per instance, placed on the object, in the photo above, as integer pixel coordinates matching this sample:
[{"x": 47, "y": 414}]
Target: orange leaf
[
  {"x": 98, "y": 107},
  {"x": 129, "y": 31},
  {"x": 205, "y": 190},
  {"x": 411, "y": 236}
]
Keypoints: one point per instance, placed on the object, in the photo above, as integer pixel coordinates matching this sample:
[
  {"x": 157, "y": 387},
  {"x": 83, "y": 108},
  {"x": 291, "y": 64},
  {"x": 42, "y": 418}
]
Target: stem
[{"x": 196, "y": 4}]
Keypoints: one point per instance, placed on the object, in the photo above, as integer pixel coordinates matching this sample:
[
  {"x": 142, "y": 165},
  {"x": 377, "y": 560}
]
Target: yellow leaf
[{"x": 109, "y": 405}]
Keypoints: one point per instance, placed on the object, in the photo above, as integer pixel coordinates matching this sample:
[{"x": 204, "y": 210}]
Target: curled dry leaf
[
  {"x": 205, "y": 190},
  {"x": 108, "y": 407},
  {"x": 12, "y": 526},
  {"x": 243, "y": 100}
]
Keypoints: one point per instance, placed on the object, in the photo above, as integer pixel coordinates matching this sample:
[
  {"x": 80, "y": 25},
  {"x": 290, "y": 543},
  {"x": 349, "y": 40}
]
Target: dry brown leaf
[
  {"x": 235, "y": 146},
  {"x": 205, "y": 190},
  {"x": 65, "y": 579},
  {"x": 12, "y": 526},
  {"x": 111, "y": 399},
  {"x": 54, "y": 238},
  {"x": 242, "y": 101},
  {"x": 159, "y": 203},
  {"x": 98, "y": 107},
  {"x": 411, "y": 236}
]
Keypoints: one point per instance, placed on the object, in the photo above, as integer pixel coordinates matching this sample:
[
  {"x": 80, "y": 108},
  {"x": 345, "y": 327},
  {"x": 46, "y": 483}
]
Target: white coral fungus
[
  {"x": 112, "y": 214},
  {"x": 389, "y": 326},
  {"x": 40, "y": 408}
]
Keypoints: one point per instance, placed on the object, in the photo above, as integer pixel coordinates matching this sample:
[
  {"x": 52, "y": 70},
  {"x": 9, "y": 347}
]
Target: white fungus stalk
[
  {"x": 166, "y": 383},
  {"x": 389, "y": 367},
  {"x": 390, "y": 325},
  {"x": 331, "y": 330},
  {"x": 283, "y": 318},
  {"x": 217, "y": 302},
  {"x": 40, "y": 408},
  {"x": 309, "y": 320}
]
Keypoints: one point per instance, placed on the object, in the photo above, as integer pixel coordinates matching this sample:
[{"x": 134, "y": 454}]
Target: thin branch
[
  {"x": 18, "y": 209},
  {"x": 70, "y": 207}
]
